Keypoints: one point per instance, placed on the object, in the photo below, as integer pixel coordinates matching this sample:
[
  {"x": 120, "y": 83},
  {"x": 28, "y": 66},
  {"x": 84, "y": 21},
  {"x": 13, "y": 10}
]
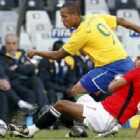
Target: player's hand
[
  {"x": 31, "y": 53},
  {"x": 4, "y": 84}
]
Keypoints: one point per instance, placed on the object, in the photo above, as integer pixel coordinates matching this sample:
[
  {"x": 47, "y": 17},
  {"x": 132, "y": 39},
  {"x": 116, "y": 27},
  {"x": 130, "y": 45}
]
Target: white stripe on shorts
[{"x": 93, "y": 80}]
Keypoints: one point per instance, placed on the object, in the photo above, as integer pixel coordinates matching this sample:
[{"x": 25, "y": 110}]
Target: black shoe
[
  {"x": 82, "y": 135},
  {"x": 19, "y": 131},
  {"x": 56, "y": 125}
]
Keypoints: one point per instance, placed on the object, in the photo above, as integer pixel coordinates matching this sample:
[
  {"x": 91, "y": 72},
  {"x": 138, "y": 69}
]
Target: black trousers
[
  {"x": 8, "y": 101},
  {"x": 4, "y": 107},
  {"x": 51, "y": 96},
  {"x": 32, "y": 90},
  {"x": 13, "y": 98}
]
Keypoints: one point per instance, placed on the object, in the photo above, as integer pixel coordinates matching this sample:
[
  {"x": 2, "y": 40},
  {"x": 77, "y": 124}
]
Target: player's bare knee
[
  {"x": 74, "y": 91},
  {"x": 61, "y": 105}
]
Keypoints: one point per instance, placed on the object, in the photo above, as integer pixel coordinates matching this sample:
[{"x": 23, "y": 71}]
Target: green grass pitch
[{"x": 124, "y": 134}]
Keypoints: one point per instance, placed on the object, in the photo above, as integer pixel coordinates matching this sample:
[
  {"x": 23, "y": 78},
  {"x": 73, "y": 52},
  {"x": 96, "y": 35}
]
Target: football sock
[
  {"x": 67, "y": 122},
  {"x": 76, "y": 131},
  {"x": 32, "y": 130},
  {"x": 79, "y": 95},
  {"x": 48, "y": 118},
  {"x": 84, "y": 98}
]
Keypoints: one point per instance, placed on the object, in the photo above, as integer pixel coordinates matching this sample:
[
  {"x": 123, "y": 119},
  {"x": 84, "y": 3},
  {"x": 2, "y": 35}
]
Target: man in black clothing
[
  {"x": 21, "y": 73},
  {"x": 9, "y": 99},
  {"x": 58, "y": 76}
]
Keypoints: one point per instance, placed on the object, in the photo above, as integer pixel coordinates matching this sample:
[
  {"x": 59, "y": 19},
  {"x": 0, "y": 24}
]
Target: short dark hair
[{"x": 72, "y": 7}]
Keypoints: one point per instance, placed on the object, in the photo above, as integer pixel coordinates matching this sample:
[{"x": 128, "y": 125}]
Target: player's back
[{"x": 102, "y": 45}]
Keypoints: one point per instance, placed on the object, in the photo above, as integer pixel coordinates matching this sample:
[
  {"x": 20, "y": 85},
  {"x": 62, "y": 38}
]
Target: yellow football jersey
[{"x": 95, "y": 37}]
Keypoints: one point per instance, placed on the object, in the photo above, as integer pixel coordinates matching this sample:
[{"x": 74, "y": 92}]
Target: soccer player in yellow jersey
[{"x": 94, "y": 36}]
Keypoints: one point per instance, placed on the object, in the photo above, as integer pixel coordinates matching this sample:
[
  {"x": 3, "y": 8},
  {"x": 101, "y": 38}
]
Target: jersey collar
[{"x": 82, "y": 20}]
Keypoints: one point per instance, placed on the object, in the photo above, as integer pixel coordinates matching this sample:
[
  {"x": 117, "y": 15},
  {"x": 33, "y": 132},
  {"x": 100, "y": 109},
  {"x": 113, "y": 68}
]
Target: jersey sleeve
[
  {"x": 131, "y": 75},
  {"x": 110, "y": 20},
  {"x": 70, "y": 61},
  {"x": 76, "y": 42}
]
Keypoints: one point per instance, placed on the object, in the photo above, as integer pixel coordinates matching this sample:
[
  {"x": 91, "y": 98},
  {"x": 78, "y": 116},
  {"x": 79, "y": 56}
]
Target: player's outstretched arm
[
  {"x": 55, "y": 55},
  {"x": 118, "y": 82},
  {"x": 137, "y": 134},
  {"x": 123, "y": 22}
]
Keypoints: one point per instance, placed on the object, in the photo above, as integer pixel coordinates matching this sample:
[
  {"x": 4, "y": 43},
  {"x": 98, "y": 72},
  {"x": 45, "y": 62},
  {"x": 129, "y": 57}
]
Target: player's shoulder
[
  {"x": 93, "y": 15},
  {"x": 137, "y": 69},
  {"x": 134, "y": 71},
  {"x": 90, "y": 17}
]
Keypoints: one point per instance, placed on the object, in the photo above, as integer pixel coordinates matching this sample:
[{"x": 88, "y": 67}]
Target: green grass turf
[{"x": 124, "y": 134}]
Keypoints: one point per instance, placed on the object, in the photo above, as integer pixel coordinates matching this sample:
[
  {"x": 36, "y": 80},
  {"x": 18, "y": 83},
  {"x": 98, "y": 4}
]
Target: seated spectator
[
  {"x": 21, "y": 73},
  {"x": 58, "y": 76},
  {"x": 9, "y": 99}
]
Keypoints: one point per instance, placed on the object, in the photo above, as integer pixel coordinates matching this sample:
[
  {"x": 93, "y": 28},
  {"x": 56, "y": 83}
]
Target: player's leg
[
  {"x": 76, "y": 131},
  {"x": 75, "y": 111},
  {"x": 78, "y": 88},
  {"x": 83, "y": 86},
  {"x": 49, "y": 117},
  {"x": 87, "y": 84}
]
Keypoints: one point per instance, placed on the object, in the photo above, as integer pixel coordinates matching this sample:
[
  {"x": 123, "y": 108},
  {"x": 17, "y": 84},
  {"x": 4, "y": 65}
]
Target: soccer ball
[{"x": 3, "y": 128}]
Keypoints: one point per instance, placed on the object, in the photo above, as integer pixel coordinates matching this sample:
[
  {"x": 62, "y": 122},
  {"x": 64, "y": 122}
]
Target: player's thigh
[
  {"x": 85, "y": 85},
  {"x": 97, "y": 118},
  {"x": 72, "y": 109}
]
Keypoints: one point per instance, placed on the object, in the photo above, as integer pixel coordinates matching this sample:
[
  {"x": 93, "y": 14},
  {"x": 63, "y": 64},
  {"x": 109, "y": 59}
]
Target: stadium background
[{"x": 38, "y": 24}]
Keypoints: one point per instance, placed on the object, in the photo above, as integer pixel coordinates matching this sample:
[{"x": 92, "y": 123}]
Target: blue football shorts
[{"x": 100, "y": 77}]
